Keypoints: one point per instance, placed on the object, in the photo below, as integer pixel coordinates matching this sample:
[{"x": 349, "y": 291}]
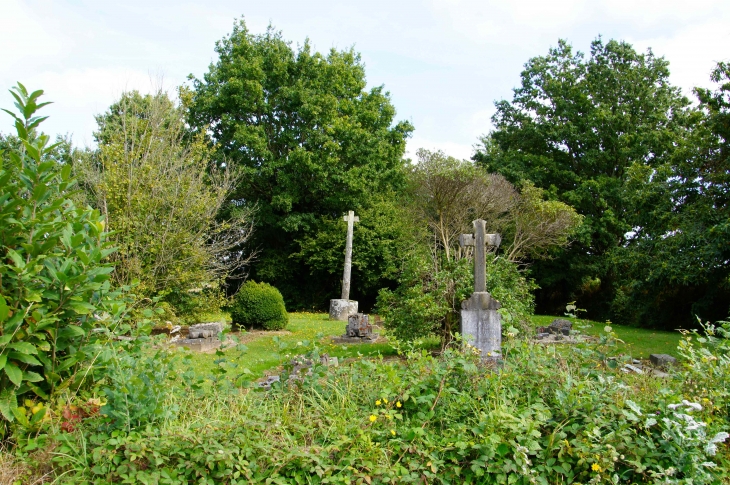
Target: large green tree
[
  {"x": 310, "y": 141},
  {"x": 576, "y": 127},
  {"x": 675, "y": 262}
]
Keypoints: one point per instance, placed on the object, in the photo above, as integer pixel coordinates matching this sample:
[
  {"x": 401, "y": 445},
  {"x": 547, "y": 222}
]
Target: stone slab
[
  {"x": 661, "y": 360},
  {"x": 205, "y": 330},
  {"x": 342, "y": 309},
  {"x": 482, "y": 329},
  {"x": 199, "y": 344},
  {"x": 356, "y": 340}
]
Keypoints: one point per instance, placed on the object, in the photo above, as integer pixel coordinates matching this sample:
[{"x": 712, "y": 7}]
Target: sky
[{"x": 444, "y": 62}]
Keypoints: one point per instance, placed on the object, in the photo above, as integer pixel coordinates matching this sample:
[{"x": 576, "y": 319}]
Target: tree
[
  {"x": 309, "y": 140},
  {"x": 448, "y": 194},
  {"x": 160, "y": 196},
  {"x": 674, "y": 264},
  {"x": 575, "y": 128}
]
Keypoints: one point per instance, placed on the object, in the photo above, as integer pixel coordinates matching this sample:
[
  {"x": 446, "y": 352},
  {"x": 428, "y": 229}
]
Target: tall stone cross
[
  {"x": 481, "y": 325},
  {"x": 479, "y": 240},
  {"x": 351, "y": 219}
]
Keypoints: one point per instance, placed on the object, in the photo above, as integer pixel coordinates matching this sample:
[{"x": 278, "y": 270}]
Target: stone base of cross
[{"x": 481, "y": 324}]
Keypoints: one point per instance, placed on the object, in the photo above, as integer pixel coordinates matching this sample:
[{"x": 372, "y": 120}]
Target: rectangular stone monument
[
  {"x": 481, "y": 324},
  {"x": 202, "y": 336},
  {"x": 342, "y": 308}
]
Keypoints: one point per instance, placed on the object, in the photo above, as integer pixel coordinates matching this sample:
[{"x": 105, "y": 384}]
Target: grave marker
[
  {"x": 480, "y": 323},
  {"x": 341, "y": 309}
]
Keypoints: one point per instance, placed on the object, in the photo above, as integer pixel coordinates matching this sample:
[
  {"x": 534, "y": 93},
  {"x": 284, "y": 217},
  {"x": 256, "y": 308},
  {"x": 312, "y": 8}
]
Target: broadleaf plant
[{"x": 54, "y": 280}]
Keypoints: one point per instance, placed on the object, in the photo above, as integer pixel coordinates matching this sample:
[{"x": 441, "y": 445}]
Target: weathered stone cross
[
  {"x": 479, "y": 240},
  {"x": 351, "y": 219}
]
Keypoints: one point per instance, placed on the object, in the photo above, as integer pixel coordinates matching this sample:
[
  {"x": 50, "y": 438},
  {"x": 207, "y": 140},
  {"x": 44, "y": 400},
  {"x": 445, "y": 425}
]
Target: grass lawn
[
  {"x": 639, "y": 342},
  {"x": 303, "y": 330}
]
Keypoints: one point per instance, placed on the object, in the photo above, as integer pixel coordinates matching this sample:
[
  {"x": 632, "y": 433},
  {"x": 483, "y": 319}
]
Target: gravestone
[
  {"x": 202, "y": 336},
  {"x": 342, "y": 308},
  {"x": 358, "y": 331},
  {"x": 481, "y": 325},
  {"x": 662, "y": 360}
]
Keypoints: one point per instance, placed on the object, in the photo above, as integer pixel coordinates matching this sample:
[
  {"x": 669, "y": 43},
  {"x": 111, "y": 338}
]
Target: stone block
[
  {"x": 662, "y": 360},
  {"x": 342, "y": 309},
  {"x": 205, "y": 330},
  {"x": 199, "y": 344}
]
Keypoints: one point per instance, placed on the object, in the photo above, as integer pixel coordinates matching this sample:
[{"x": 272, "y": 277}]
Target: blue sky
[{"x": 444, "y": 62}]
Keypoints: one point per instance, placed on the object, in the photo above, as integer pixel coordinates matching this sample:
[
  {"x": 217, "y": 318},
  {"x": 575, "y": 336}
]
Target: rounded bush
[{"x": 259, "y": 305}]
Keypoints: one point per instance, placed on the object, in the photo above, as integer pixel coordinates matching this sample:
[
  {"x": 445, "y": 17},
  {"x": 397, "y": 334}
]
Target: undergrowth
[{"x": 542, "y": 417}]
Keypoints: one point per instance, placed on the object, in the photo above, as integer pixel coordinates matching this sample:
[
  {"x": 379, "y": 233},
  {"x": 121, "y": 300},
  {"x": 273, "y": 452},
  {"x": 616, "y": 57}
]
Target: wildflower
[
  {"x": 596, "y": 467},
  {"x": 392, "y": 431},
  {"x": 378, "y": 403},
  {"x": 398, "y": 404},
  {"x": 385, "y": 401},
  {"x": 373, "y": 418}
]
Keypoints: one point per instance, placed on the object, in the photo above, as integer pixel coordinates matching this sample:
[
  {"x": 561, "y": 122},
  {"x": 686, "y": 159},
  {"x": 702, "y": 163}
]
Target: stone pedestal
[
  {"x": 481, "y": 325},
  {"x": 342, "y": 309}
]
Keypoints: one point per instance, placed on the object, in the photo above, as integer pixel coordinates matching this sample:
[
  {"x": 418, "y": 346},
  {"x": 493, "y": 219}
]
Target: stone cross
[
  {"x": 351, "y": 219},
  {"x": 479, "y": 240}
]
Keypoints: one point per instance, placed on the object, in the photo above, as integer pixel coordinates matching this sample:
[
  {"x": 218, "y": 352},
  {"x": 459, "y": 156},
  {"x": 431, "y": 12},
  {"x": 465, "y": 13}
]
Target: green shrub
[
  {"x": 54, "y": 274},
  {"x": 428, "y": 301},
  {"x": 259, "y": 305}
]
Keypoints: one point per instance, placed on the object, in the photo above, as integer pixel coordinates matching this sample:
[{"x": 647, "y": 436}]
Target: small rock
[
  {"x": 662, "y": 360},
  {"x": 633, "y": 368}
]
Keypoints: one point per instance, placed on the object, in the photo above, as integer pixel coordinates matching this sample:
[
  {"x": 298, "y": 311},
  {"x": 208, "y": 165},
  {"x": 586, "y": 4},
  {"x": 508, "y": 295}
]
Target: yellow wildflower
[
  {"x": 392, "y": 431},
  {"x": 377, "y": 403},
  {"x": 385, "y": 401},
  {"x": 373, "y": 418},
  {"x": 596, "y": 467},
  {"x": 397, "y": 404}
]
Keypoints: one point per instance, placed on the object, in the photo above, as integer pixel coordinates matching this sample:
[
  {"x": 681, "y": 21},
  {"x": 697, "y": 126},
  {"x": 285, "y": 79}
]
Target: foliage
[
  {"x": 576, "y": 128},
  {"x": 259, "y": 305},
  {"x": 161, "y": 197},
  {"x": 428, "y": 299},
  {"x": 310, "y": 143},
  {"x": 383, "y": 236},
  {"x": 541, "y": 419},
  {"x": 674, "y": 263},
  {"x": 53, "y": 271},
  {"x": 448, "y": 194}
]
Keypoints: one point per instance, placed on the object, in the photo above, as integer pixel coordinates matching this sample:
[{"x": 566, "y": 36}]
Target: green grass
[
  {"x": 267, "y": 352},
  {"x": 306, "y": 329},
  {"x": 639, "y": 342}
]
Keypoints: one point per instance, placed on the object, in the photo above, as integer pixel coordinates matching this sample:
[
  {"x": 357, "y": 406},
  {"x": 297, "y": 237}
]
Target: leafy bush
[
  {"x": 259, "y": 305},
  {"x": 428, "y": 301},
  {"x": 53, "y": 275}
]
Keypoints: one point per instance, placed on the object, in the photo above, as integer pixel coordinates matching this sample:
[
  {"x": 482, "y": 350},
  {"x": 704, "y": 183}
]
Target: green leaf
[
  {"x": 24, "y": 358},
  {"x": 24, "y": 347},
  {"x": 14, "y": 374},
  {"x": 81, "y": 307},
  {"x": 72, "y": 331},
  {"x": 3, "y": 360},
  {"x": 31, "y": 376},
  {"x": 8, "y": 403},
  {"x": 4, "y": 310},
  {"x": 17, "y": 259}
]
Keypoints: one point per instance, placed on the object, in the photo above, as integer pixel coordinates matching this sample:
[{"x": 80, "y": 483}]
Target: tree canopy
[
  {"x": 309, "y": 140},
  {"x": 577, "y": 127}
]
